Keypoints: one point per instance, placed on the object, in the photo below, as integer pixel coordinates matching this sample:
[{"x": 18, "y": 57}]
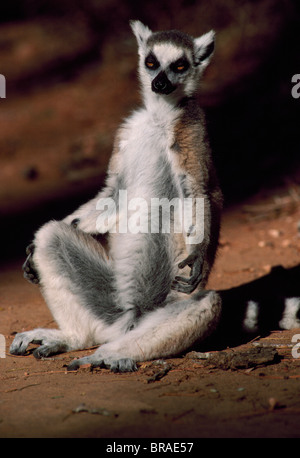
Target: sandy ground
[{"x": 179, "y": 398}]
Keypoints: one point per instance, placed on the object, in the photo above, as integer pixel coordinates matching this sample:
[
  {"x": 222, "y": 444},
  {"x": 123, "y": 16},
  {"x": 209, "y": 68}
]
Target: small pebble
[{"x": 275, "y": 233}]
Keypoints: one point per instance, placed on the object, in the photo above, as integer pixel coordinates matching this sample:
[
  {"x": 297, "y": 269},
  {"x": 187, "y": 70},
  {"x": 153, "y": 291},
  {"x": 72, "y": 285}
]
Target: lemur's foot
[
  {"x": 188, "y": 285},
  {"x": 30, "y": 272},
  {"x": 115, "y": 365},
  {"x": 50, "y": 345}
]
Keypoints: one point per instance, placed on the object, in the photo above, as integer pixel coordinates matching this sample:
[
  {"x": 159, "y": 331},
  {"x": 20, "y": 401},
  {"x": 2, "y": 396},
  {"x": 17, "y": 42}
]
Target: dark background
[{"x": 70, "y": 69}]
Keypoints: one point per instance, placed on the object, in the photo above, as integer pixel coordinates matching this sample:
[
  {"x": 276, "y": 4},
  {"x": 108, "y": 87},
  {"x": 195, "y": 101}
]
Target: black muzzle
[{"x": 162, "y": 85}]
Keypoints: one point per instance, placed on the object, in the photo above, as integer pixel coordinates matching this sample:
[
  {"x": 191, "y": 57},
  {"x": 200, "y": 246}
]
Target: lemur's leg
[
  {"x": 164, "y": 332},
  {"x": 77, "y": 282}
]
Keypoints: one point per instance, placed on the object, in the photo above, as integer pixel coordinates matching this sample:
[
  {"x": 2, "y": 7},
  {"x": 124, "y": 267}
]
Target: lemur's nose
[
  {"x": 159, "y": 85},
  {"x": 162, "y": 85}
]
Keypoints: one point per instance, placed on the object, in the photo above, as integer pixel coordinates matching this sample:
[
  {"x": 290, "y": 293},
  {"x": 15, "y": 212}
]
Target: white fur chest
[{"x": 145, "y": 146}]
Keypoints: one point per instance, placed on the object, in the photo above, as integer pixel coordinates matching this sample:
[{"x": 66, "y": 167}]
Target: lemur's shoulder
[{"x": 191, "y": 141}]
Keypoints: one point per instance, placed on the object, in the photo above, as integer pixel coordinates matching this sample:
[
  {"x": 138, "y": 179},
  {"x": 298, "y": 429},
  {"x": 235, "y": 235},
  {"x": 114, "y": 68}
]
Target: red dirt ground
[{"x": 40, "y": 399}]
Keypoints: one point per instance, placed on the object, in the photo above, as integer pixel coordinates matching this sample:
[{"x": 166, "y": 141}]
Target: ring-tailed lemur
[{"x": 143, "y": 297}]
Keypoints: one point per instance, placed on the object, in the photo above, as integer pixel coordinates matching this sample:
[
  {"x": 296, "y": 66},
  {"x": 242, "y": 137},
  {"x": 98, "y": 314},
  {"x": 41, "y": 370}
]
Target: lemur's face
[
  {"x": 171, "y": 62},
  {"x": 169, "y": 68}
]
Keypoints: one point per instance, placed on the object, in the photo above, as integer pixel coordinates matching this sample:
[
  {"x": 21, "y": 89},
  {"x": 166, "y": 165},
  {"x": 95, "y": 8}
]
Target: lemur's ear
[
  {"x": 204, "y": 47},
  {"x": 141, "y": 31}
]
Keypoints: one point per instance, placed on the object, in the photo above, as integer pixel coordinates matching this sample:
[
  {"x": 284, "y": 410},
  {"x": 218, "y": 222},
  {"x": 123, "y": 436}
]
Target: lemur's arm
[
  {"x": 196, "y": 242},
  {"x": 200, "y": 182},
  {"x": 201, "y": 255}
]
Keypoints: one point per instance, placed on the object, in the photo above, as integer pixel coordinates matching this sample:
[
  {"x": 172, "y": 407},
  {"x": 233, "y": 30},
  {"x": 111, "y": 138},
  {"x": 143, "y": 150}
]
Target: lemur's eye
[
  {"x": 151, "y": 62},
  {"x": 180, "y": 66}
]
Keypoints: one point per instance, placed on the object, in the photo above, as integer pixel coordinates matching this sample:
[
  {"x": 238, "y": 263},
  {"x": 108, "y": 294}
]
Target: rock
[
  {"x": 254, "y": 357},
  {"x": 275, "y": 233}
]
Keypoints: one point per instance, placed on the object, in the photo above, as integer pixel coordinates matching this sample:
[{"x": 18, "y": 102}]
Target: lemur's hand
[
  {"x": 30, "y": 272},
  {"x": 188, "y": 285},
  {"x": 89, "y": 225}
]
